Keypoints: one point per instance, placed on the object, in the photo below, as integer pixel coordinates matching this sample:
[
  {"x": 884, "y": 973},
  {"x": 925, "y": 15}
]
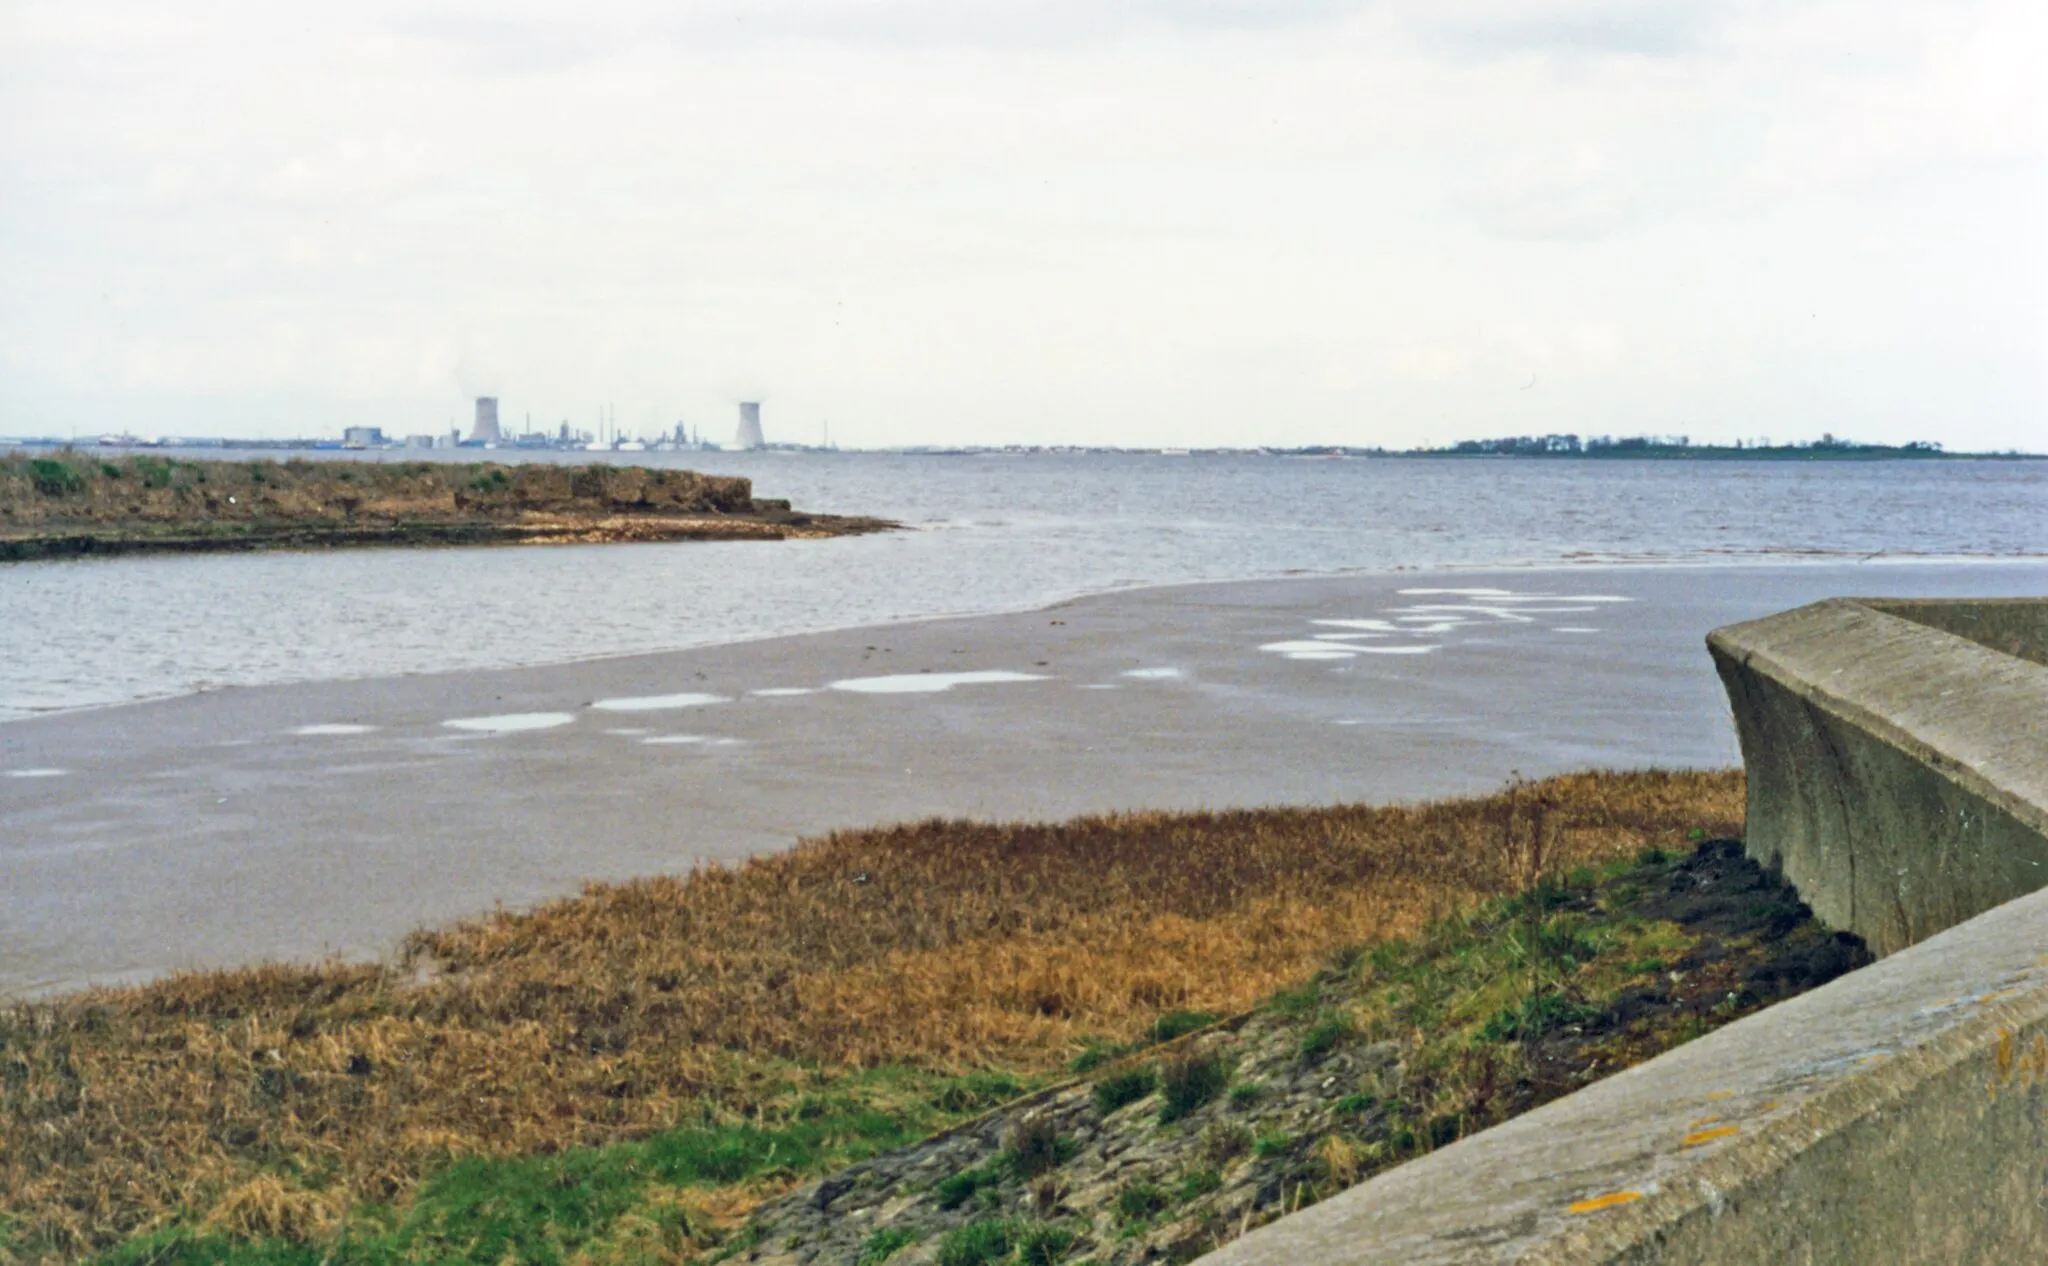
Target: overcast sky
[{"x": 1211, "y": 222}]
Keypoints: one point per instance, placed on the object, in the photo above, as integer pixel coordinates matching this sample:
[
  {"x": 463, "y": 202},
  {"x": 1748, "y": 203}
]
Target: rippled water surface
[{"x": 988, "y": 533}]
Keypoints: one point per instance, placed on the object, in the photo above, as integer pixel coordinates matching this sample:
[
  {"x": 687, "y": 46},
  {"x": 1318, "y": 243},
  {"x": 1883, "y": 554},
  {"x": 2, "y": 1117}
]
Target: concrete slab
[
  {"x": 1897, "y": 753},
  {"x": 1898, "y": 772}
]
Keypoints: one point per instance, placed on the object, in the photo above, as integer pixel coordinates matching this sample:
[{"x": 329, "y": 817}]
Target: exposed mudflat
[{"x": 217, "y": 828}]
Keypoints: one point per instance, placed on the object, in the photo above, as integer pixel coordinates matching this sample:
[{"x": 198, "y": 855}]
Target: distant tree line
[{"x": 1629, "y": 445}]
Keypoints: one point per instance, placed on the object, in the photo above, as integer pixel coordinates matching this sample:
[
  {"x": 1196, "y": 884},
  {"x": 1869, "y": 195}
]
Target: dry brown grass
[{"x": 939, "y": 944}]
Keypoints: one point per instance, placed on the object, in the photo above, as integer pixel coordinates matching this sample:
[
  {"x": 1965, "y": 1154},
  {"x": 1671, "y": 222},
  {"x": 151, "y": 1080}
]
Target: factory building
[
  {"x": 486, "y": 430},
  {"x": 750, "y": 427}
]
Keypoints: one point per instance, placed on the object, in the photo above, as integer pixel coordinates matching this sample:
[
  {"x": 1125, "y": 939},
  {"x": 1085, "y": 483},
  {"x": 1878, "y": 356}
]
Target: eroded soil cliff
[{"x": 70, "y": 503}]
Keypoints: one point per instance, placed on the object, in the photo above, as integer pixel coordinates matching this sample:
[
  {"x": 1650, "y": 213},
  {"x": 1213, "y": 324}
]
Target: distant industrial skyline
[{"x": 1214, "y": 224}]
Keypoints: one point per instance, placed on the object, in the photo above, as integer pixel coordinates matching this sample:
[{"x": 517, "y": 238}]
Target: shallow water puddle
[
  {"x": 783, "y": 692},
  {"x": 1509, "y": 595},
  {"x": 1437, "y": 611},
  {"x": 674, "y": 740},
  {"x": 1481, "y": 608},
  {"x": 331, "y": 728},
  {"x": 1152, "y": 674},
  {"x": 1456, "y": 593},
  {"x": 37, "y": 773},
  {"x": 511, "y": 722},
  {"x": 657, "y": 703},
  {"x": 930, "y": 683}
]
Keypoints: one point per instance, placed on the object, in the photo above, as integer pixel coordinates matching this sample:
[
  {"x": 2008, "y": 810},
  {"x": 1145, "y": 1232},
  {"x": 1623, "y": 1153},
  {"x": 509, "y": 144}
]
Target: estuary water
[{"x": 987, "y": 534}]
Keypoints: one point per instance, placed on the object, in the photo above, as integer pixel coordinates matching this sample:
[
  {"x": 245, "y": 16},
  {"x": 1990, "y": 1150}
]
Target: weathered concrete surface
[
  {"x": 1898, "y": 773},
  {"x": 2014, "y": 626},
  {"x": 1899, "y": 1114}
]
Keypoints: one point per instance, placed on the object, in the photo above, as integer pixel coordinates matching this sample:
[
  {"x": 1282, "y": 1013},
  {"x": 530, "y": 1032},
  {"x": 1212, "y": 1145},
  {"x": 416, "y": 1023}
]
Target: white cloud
[
  {"x": 350, "y": 169},
  {"x": 1561, "y": 195},
  {"x": 1226, "y": 222}
]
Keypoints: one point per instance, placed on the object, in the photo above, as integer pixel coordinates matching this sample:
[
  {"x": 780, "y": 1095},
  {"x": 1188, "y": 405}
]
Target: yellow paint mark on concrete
[
  {"x": 1698, "y": 1137},
  {"x": 1722, "y": 1094},
  {"x": 1697, "y": 1122},
  {"x": 1607, "y": 1201},
  {"x": 1768, "y": 1105},
  {"x": 2016, "y": 1061}
]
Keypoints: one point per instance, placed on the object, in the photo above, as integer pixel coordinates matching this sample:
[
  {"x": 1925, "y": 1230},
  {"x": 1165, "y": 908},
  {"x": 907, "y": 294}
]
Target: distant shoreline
[
  {"x": 75, "y": 503},
  {"x": 1522, "y": 447}
]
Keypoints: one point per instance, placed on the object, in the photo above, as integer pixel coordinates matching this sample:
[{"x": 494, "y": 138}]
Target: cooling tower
[
  {"x": 750, "y": 427},
  {"x": 486, "y": 430}
]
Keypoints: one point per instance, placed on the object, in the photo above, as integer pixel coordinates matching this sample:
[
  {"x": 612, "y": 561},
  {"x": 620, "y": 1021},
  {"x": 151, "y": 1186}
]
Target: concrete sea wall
[
  {"x": 1898, "y": 772},
  {"x": 1898, "y": 769}
]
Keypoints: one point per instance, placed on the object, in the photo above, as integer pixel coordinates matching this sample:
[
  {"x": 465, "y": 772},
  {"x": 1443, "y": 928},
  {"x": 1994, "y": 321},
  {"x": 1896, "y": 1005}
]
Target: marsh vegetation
[{"x": 631, "y": 1071}]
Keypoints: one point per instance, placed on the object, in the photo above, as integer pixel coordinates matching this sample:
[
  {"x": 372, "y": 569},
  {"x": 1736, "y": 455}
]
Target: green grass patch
[
  {"x": 1035, "y": 1148},
  {"x": 1140, "y": 1200},
  {"x": 977, "y": 1092},
  {"x": 1097, "y": 1052},
  {"x": 1197, "y": 1183},
  {"x": 1189, "y": 1082},
  {"x": 1181, "y": 1023},
  {"x": 1042, "y": 1244},
  {"x": 1005, "y": 1240},
  {"x": 1299, "y": 1001},
  {"x": 1326, "y": 1035},
  {"x": 955, "y": 1190},
  {"x": 1122, "y": 1088},
  {"x": 54, "y": 477},
  {"x": 884, "y": 1244},
  {"x": 557, "y": 1207}
]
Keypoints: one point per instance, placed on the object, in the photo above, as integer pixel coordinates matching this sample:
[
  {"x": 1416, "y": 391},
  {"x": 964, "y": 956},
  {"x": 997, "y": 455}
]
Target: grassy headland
[
  {"x": 624, "y": 1075},
  {"x": 69, "y": 503}
]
